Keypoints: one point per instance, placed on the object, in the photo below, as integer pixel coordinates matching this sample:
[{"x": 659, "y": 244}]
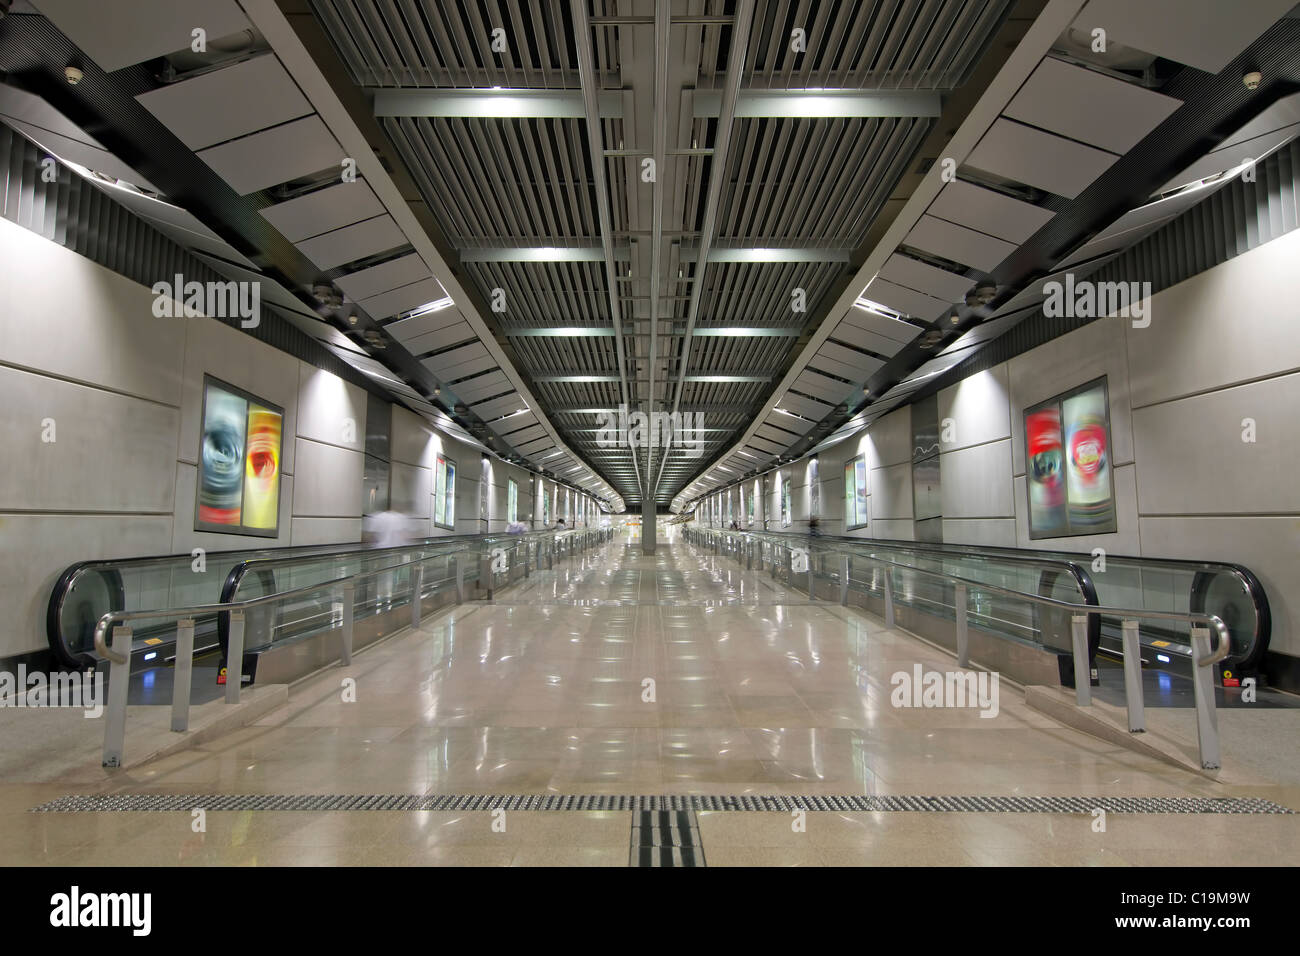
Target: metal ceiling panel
[
  {"x": 358, "y": 241},
  {"x": 531, "y": 433},
  {"x": 406, "y": 329},
  {"x": 989, "y": 330},
  {"x": 460, "y": 362},
  {"x": 1030, "y": 156},
  {"x": 485, "y": 386},
  {"x": 437, "y": 339},
  {"x": 301, "y": 148},
  {"x": 515, "y": 425},
  {"x": 178, "y": 224},
  {"x": 271, "y": 291},
  {"x": 767, "y": 447},
  {"x": 1230, "y": 157},
  {"x": 1206, "y": 34},
  {"x": 855, "y": 335},
  {"x": 893, "y": 329},
  {"x": 959, "y": 244},
  {"x": 828, "y": 389},
  {"x": 989, "y": 212},
  {"x": 923, "y": 277},
  {"x": 407, "y": 298},
  {"x": 862, "y": 367},
  {"x": 324, "y": 211},
  {"x": 905, "y": 300},
  {"x": 504, "y": 405},
  {"x": 1089, "y": 106},
  {"x": 808, "y": 408},
  {"x": 774, "y": 433},
  {"x": 228, "y": 103},
  {"x": 115, "y": 37}
]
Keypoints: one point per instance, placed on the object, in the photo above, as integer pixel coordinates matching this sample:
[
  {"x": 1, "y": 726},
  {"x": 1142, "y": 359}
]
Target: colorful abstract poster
[
  {"x": 221, "y": 458},
  {"x": 1045, "y": 472},
  {"x": 1087, "y": 457},
  {"x": 239, "y": 463},
  {"x": 1067, "y": 443},
  {"x": 262, "y": 469}
]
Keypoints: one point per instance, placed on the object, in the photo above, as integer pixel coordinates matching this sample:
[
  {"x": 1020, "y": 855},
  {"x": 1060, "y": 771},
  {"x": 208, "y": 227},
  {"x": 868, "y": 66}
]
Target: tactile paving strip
[
  {"x": 665, "y": 838},
  {"x": 81, "y": 803}
]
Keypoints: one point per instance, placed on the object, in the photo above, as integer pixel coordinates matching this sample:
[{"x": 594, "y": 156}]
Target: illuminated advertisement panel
[
  {"x": 1068, "y": 464},
  {"x": 239, "y": 462}
]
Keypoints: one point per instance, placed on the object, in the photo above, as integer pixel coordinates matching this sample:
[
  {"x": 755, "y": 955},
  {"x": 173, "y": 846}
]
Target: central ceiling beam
[
  {"x": 738, "y": 254},
  {"x": 822, "y": 104},
  {"x": 486, "y": 104},
  {"x": 706, "y": 104},
  {"x": 584, "y": 253},
  {"x": 657, "y": 217},
  {"x": 596, "y": 143},
  {"x": 744, "y": 14}
]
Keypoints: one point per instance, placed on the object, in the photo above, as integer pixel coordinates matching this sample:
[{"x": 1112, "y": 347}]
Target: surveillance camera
[
  {"x": 1252, "y": 80},
  {"x": 73, "y": 75}
]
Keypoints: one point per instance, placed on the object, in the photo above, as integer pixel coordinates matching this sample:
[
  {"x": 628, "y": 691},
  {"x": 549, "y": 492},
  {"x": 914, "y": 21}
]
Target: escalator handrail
[
  {"x": 1251, "y": 584},
  {"x": 1222, "y": 637}
]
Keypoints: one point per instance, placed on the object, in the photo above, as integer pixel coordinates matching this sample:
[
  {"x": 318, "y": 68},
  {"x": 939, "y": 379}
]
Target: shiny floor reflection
[{"x": 618, "y": 672}]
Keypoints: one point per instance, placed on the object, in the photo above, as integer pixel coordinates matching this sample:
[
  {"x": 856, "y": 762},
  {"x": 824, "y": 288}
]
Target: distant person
[
  {"x": 560, "y": 525},
  {"x": 814, "y": 527},
  {"x": 516, "y": 527},
  {"x": 735, "y": 526},
  {"x": 388, "y": 529}
]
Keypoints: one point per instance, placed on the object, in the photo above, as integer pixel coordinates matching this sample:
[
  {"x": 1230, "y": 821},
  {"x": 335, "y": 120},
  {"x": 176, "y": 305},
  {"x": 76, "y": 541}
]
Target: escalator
[{"x": 1229, "y": 591}]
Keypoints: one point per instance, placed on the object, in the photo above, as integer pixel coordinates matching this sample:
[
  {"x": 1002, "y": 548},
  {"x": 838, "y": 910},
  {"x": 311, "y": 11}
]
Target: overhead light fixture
[
  {"x": 866, "y": 305},
  {"x": 435, "y": 306}
]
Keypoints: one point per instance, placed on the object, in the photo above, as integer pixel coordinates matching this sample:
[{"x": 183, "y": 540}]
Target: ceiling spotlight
[
  {"x": 1252, "y": 80},
  {"x": 987, "y": 292},
  {"x": 352, "y": 320},
  {"x": 73, "y": 75},
  {"x": 326, "y": 294},
  {"x": 437, "y": 390},
  {"x": 954, "y": 317},
  {"x": 375, "y": 340}
]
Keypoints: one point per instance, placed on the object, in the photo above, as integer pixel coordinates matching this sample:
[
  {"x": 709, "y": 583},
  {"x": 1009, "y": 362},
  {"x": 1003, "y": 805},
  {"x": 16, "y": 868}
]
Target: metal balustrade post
[
  {"x": 235, "y": 657},
  {"x": 181, "y": 677},
  {"x": 1137, "y": 718},
  {"x": 889, "y": 597},
  {"x": 119, "y": 679},
  {"x": 349, "y": 618},
  {"x": 1082, "y": 673},
  {"x": 812, "y": 578},
  {"x": 1207, "y": 719},
  {"x": 845, "y": 566},
  {"x": 963, "y": 629},
  {"x": 459, "y": 559},
  {"x": 417, "y": 588}
]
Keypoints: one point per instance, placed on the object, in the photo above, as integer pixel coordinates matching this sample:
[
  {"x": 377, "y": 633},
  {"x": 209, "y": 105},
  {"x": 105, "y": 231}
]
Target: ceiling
[{"x": 520, "y": 217}]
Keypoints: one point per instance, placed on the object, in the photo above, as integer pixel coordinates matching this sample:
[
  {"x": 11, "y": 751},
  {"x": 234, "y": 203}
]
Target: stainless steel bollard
[
  {"x": 235, "y": 658},
  {"x": 889, "y": 597},
  {"x": 1137, "y": 717},
  {"x": 1207, "y": 718},
  {"x": 845, "y": 566},
  {"x": 1082, "y": 672},
  {"x": 182, "y": 676},
  {"x": 119, "y": 677},
  {"x": 349, "y": 619},
  {"x": 417, "y": 589},
  {"x": 963, "y": 629}
]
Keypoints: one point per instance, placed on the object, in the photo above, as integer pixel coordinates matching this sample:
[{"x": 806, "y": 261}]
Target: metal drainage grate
[
  {"x": 80, "y": 803},
  {"x": 665, "y": 838}
]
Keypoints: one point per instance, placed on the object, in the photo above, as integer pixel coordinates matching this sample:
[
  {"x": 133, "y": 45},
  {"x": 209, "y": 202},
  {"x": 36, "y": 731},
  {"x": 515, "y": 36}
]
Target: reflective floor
[{"x": 620, "y": 673}]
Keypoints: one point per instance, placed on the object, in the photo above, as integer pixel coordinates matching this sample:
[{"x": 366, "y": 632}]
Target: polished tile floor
[{"x": 620, "y": 673}]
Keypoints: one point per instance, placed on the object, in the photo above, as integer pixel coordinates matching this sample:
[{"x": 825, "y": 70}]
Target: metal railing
[
  {"x": 1199, "y": 625},
  {"x": 541, "y": 547}
]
